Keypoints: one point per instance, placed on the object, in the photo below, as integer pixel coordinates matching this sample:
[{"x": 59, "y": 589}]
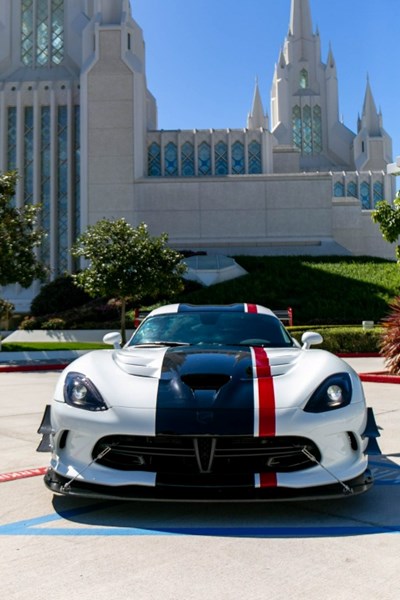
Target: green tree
[
  {"x": 388, "y": 218},
  {"x": 127, "y": 263},
  {"x": 19, "y": 235}
]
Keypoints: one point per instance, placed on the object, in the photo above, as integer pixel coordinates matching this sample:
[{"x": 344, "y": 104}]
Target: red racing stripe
[
  {"x": 264, "y": 395},
  {"x": 268, "y": 480},
  {"x": 250, "y": 308}
]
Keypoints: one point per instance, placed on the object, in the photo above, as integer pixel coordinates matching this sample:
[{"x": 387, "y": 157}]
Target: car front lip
[{"x": 64, "y": 486}]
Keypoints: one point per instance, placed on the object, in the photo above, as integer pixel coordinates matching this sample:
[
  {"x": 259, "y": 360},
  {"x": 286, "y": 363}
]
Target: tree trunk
[{"x": 123, "y": 328}]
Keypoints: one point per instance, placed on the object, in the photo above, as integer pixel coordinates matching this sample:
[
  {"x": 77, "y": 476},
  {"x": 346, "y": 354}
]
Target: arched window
[
  {"x": 187, "y": 159},
  {"x": 303, "y": 79},
  {"x": 254, "y": 150},
  {"x": 42, "y": 32},
  {"x": 365, "y": 192},
  {"x": 204, "y": 159},
  {"x": 338, "y": 189},
  {"x": 352, "y": 191},
  {"x": 171, "y": 159},
  {"x": 238, "y": 158},
  {"x": 154, "y": 160},
  {"x": 221, "y": 159},
  {"x": 378, "y": 192}
]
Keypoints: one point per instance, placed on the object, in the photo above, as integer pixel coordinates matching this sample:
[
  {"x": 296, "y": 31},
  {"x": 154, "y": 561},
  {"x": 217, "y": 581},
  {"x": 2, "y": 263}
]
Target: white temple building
[{"x": 80, "y": 125}]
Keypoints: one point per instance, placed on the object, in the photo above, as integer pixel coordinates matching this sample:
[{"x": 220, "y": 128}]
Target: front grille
[{"x": 230, "y": 455}]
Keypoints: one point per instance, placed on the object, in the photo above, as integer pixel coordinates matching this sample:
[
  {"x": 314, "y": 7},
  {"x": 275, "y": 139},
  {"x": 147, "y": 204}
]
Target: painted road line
[
  {"x": 22, "y": 474},
  {"x": 34, "y": 527}
]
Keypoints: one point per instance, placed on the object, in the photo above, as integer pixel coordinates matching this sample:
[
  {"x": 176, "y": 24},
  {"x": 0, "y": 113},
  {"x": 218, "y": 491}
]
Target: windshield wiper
[{"x": 159, "y": 343}]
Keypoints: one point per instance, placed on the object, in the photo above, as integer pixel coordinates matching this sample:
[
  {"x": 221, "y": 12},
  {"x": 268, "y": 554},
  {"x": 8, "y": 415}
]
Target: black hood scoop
[{"x": 205, "y": 381}]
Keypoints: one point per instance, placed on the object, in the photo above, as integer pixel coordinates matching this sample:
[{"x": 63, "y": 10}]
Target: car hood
[
  {"x": 131, "y": 377},
  {"x": 235, "y": 362}
]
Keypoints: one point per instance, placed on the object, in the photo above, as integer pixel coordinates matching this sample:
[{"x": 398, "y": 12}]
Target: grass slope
[{"x": 323, "y": 290}]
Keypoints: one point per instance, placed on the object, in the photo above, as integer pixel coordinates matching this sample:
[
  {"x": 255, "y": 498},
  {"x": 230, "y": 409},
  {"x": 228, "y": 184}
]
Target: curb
[
  {"x": 380, "y": 377},
  {"x": 30, "y": 368}
]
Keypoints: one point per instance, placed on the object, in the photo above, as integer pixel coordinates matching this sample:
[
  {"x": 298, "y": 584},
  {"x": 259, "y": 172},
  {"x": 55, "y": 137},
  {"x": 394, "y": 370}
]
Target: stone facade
[{"x": 79, "y": 123}]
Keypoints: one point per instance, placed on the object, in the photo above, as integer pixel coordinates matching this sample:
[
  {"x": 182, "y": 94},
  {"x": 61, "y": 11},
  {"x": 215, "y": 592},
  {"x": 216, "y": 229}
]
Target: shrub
[
  {"x": 6, "y": 308},
  {"x": 57, "y": 296},
  {"x": 29, "y": 323},
  {"x": 390, "y": 340},
  {"x": 54, "y": 323},
  {"x": 343, "y": 340}
]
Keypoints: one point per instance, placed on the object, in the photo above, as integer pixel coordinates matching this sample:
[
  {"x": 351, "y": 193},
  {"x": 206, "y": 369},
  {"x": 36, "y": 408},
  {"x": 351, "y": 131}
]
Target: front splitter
[{"x": 165, "y": 493}]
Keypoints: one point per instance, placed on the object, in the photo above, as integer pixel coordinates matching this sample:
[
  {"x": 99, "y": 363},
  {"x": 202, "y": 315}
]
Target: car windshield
[{"x": 213, "y": 327}]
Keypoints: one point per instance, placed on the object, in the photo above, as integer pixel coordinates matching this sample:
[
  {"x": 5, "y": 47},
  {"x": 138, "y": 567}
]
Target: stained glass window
[
  {"x": 57, "y": 31},
  {"x": 378, "y": 192},
  {"x": 42, "y": 32},
  {"x": 154, "y": 160},
  {"x": 254, "y": 149},
  {"x": 365, "y": 192},
  {"x": 27, "y": 32},
  {"x": 45, "y": 178},
  {"x": 77, "y": 174},
  {"x": 338, "y": 190},
  {"x": 238, "y": 167},
  {"x": 62, "y": 184},
  {"x": 307, "y": 129},
  {"x": 221, "y": 159},
  {"x": 204, "y": 159},
  {"x": 187, "y": 159},
  {"x": 12, "y": 138},
  {"x": 303, "y": 79},
  {"x": 317, "y": 130},
  {"x": 352, "y": 189},
  {"x": 171, "y": 159},
  {"x": 297, "y": 128},
  {"x": 28, "y": 155}
]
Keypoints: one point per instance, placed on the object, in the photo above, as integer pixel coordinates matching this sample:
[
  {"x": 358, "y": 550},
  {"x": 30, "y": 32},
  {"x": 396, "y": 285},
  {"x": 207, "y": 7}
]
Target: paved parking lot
[{"x": 52, "y": 546}]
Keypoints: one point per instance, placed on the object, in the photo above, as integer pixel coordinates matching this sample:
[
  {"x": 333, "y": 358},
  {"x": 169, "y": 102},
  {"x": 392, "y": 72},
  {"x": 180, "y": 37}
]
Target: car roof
[{"x": 238, "y": 308}]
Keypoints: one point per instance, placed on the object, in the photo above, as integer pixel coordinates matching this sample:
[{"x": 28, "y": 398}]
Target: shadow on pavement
[{"x": 377, "y": 511}]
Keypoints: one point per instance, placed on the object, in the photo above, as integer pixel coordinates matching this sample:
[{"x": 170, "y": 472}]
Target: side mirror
[
  {"x": 113, "y": 339},
  {"x": 311, "y": 338}
]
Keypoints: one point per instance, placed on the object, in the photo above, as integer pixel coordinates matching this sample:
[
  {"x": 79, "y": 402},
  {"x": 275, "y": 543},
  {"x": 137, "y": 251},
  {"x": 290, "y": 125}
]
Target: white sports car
[{"x": 208, "y": 403}]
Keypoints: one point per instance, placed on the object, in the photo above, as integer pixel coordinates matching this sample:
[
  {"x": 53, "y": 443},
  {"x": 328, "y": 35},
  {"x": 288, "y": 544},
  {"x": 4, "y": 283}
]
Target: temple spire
[
  {"x": 370, "y": 116},
  {"x": 257, "y": 119},
  {"x": 300, "y": 20}
]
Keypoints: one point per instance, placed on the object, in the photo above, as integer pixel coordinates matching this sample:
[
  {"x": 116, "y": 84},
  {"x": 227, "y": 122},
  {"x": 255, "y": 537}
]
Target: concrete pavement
[{"x": 78, "y": 549}]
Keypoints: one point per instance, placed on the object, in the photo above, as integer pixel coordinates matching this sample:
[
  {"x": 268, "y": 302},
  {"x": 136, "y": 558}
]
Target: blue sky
[{"x": 203, "y": 56}]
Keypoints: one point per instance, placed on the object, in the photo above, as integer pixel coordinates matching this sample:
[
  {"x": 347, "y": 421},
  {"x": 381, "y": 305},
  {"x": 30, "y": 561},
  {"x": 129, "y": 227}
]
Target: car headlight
[
  {"x": 80, "y": 392},
  {"x": 333, "y": 393}
]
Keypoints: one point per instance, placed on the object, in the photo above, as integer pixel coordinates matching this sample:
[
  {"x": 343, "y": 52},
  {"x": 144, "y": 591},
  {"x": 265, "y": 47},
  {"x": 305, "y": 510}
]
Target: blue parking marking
[{"x": 37, "y": 527}]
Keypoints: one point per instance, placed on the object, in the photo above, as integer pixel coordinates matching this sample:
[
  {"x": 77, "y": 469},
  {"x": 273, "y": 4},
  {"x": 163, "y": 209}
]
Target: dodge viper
[{"x": 208, "y": 403}]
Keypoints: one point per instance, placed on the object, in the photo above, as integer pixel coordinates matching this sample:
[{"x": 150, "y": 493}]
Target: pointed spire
[
  {"x": 330, "y": 61},
  {"x": 257, "y": 118},
  {"x": 370, "y": 117},
  {"x": 300, "y": 19}
]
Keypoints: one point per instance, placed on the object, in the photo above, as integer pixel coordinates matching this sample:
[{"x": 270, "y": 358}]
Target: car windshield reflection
[{"x": 217, "y": 327}]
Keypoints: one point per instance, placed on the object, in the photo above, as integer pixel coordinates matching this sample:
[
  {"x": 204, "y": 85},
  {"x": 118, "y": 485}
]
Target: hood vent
[{"x": 205, "y": 381}]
